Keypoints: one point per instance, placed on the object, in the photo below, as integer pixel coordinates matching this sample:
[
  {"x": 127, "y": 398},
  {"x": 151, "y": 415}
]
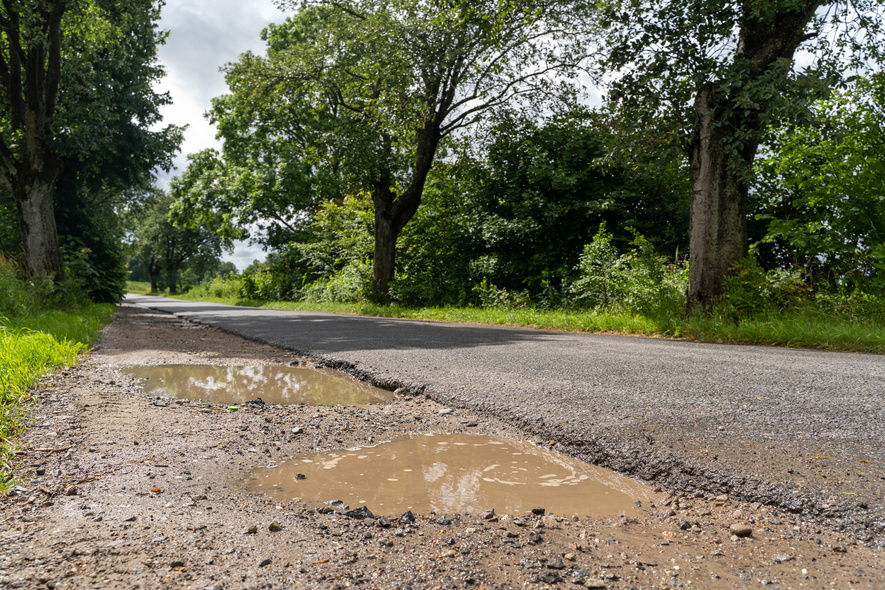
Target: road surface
[{"x": 800, "y": 429}]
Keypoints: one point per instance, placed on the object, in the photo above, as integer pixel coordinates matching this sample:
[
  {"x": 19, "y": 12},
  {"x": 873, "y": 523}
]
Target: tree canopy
[
  {"x": 361, "y": 94},
  {"x": 713, "y": 77},
  {"x": 77, "y": 99}
]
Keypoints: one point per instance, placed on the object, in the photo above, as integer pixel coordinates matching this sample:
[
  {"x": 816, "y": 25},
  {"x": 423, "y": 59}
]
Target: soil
[{"x": 121, "y": 490}]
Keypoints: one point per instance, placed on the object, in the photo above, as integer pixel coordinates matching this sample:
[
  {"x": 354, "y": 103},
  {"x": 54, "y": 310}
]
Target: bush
[
  {"x": 352, "y": 284},
  {"x": 638, "y": 281},
  {"x": 750, "y": 289}
]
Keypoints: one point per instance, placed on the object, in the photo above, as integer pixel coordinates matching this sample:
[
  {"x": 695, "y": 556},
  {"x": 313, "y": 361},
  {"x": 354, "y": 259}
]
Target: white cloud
[{"x": 204, "y": 35}]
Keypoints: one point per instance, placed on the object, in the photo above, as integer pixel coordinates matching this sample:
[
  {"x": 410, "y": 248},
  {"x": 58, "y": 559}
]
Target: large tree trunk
[
  {"x": 726, "y": 139},
  {"x": 36, "y": 216},
  {"x": 154, "y": 277},
  {"x": 719, "y": 183},
  {"x": 393, "y": 212}
]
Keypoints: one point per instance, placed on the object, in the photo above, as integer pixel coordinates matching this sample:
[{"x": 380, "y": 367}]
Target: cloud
[{"x": 204, "y": 35}]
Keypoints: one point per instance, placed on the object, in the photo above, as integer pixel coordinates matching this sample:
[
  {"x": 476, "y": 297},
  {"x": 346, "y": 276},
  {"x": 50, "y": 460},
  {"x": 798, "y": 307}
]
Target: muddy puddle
[
  {"x": 449, "y": 474},
  {"x": 272, "y": 383}
]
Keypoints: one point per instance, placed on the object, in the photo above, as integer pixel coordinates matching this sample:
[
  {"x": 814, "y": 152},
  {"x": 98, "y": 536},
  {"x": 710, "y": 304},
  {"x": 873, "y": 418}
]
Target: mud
[{"x": 118, "y": 492}]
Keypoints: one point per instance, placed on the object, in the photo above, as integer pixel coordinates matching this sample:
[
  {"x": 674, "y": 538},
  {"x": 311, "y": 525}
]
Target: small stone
[
  {"x": 385, "y": 543},
  {"x": 160, "y": 403},
  {"x": 555, "y": 563},
  {"x": 382, "y": 522},
  {"x": 176, "y": 563},
  {"x": 595, "y": 584},
  {"x": 667, "y": 513},
  {"x": 550, "y": 577},
  {"x": 535, "y": 538},
  {"x": 274, "y": 527},
  {"x": 487, "y": 514},
  {"x": 741, "y": 530},
  {"x": 300, "y": 476},
  {"x": 445, "y": 411},
  {"x": 129, "y": 519},
  {"x": 782, "y": 558},
  {"x": 360, "y": 513},
  {"x": 71, "y": 491},
  {"x": 252, "y": 530},
  {"x": 570, "y": 556},
  {"x": 407, "y": 517},
  {"x": 538, "y": 511},
  {"x": 510, "y": 535},
  {"x": 265, "y": 562},
  {"x": 297, "y": 430},
  {"x": 451, "y": 553}
]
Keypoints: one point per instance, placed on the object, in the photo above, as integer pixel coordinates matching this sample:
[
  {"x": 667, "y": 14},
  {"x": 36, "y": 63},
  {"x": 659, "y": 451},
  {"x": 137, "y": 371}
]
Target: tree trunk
[
  {"x": 36, "y": 216},
  {"x": 719, "y": 183},
  {"x": 386, "y": 234},
  {"x": 725, "y": 143},
  {"x": 154, "y": 276},
  {"x": 393, "y": 212}
]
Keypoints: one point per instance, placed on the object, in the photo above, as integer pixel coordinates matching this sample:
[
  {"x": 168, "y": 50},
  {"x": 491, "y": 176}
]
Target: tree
[
  {"x": 379, "y": 86},
  {"x": 163, "y": 247},
  {"x": 548, "y": 188},
  {"x": 76, "y": 80},
  {"x": 819, "y": 192},
  {"x": 719, "y": 74}
]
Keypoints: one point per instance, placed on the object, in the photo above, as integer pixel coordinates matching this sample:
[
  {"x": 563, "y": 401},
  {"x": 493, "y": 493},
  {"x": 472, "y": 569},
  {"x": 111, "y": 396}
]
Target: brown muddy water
[
  {"x": 449, "y": 474},
  {"x": 272, "y": 383}
]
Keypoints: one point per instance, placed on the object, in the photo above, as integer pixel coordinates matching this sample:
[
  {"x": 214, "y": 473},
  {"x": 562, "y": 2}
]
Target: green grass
[
  {"x": 803, "y": 327},
  {"x": 32, "y": 344}
]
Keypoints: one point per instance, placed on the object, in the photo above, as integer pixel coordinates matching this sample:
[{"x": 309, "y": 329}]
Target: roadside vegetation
[{"x": 43, "y": 326}]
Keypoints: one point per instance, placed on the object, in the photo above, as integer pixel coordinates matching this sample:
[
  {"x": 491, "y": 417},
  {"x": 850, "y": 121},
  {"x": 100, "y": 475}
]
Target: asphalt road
[{"x": 800, "y": 429}]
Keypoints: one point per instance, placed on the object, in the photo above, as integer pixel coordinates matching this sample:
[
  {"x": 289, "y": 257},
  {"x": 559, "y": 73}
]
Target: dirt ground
[{"x": 119, "y": 492}]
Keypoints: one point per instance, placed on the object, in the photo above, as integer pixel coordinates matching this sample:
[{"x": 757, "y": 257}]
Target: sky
[{"x": 203, "y": 36}]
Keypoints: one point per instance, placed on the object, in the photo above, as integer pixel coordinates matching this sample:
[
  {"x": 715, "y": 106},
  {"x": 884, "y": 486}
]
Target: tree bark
[
  {"x": 393, "y": 212},
  {"x": 719, "y": 188},
  {"x": 36, "y": 216},
  {"x": 720, "y": 162}
]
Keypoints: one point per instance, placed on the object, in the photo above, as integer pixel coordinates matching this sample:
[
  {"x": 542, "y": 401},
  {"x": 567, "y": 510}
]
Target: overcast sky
[{"x": 203, "y": 36}]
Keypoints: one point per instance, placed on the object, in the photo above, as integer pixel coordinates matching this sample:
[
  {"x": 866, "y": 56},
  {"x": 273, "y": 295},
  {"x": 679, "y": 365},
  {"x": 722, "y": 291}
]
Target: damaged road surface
[{"x": 762, "y": 466}]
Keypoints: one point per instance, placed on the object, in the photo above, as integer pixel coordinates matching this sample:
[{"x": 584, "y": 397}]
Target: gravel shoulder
[{"x": 122, "y": 493}]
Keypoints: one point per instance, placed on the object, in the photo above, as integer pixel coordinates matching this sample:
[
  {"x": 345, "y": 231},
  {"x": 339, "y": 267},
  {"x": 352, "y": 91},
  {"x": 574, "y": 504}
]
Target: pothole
[
  {"x": 452, "y": 473},
  {"x": 272, "y": 383}
]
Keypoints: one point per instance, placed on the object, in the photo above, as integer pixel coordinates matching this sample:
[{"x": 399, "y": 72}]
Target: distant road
[{"x": 797, "y": 428}]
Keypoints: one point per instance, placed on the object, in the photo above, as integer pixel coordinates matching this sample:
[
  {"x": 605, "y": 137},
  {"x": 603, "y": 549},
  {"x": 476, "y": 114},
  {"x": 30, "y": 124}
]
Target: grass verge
[
  {"x": 31, "y": 346},
  {"x": 802, "y": 327}
]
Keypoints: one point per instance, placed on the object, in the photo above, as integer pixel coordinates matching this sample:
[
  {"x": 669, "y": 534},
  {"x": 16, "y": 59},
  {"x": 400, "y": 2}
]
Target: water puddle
[
  {"x": 452, "y": 473},
  {"x": 273, "y": 384}
]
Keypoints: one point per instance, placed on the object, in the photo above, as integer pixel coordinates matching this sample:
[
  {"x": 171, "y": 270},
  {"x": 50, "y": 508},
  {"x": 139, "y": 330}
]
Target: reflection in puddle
[
  {"x": 273, "y": 384},
  {"x": 452, "y": 473}
]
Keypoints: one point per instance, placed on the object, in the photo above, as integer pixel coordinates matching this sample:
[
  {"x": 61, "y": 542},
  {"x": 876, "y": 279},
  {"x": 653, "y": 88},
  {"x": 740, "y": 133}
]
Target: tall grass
[{"x": 42, "y": 327}]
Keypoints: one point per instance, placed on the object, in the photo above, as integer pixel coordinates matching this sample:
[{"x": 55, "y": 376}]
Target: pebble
[
  {"x": 274, "y": 527},
  {"x": 445, "y": 411},
  {"x": 360, "y": 513},
  {"x": 782, "y": 558},
  {"x": 550, "y": 577},
  {"x": 741, "y": 530},
  {"x": 265, "y": 562},
  {"x": 555, "y": 563}
]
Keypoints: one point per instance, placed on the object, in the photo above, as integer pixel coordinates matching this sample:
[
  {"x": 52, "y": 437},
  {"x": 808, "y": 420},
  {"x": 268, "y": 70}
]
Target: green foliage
[
  {"x": 43, "y": 326},
  {"x": 351, "y": 284},
  {"x": 819, "y": 197},
  {"x": 545, "y": 188},
  {"x": 163, "y": 247},
  {"x": 638, "y": 281}
]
